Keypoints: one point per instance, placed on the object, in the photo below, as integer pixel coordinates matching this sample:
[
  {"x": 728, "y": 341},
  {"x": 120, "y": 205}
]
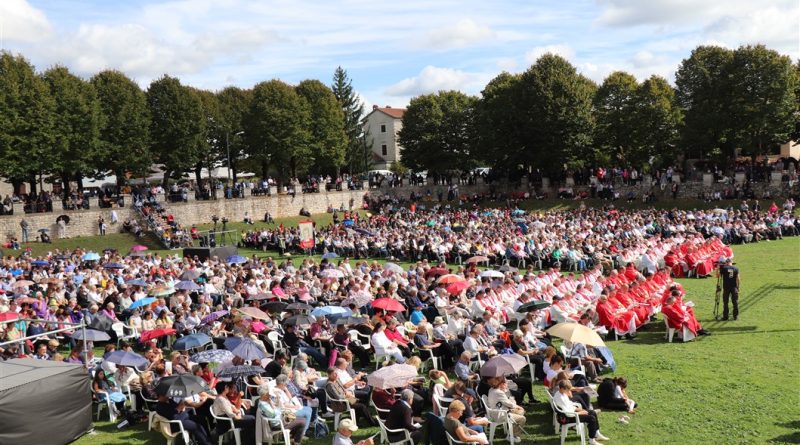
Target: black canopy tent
[{"x": 43, "y": 402}]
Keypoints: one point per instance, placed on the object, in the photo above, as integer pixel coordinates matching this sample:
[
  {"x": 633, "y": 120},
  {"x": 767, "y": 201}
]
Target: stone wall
[{"x": 81, "y": 222}]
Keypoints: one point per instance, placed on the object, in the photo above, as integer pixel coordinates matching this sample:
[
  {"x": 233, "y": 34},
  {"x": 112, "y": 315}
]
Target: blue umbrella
[
  {"x": 363, "y": 231},
  {"x": 187, "y": 285},
  {"x": 236, "y": 259},
  {"x": 41, "y": 263},
  {"x": 191, "y": 341},
  {"x": 329, "y": 255},
  {"x": 213, "y": 356},
  {"x": 90, "y": 256},
  {"x": 232, "y": 342},
  {"x": 147, "y": 301},
  {"x": 114, "y": 266},
  {"x": 91, "y": 335},
  {"x": 523, "y": 227},
  {"x": 348, "y": 222},
  {"x": 248, "y": 350},
  {"x": 606, "y": 353},
  {"x": 126, "y": 358},
  {"x": 327, "y": 311},
  {"x": 136, "y": 282}
]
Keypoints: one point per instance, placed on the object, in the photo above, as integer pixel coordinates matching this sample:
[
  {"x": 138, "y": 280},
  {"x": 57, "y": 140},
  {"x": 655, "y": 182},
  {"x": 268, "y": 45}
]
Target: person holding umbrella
[{"x": 172, "y": 410}]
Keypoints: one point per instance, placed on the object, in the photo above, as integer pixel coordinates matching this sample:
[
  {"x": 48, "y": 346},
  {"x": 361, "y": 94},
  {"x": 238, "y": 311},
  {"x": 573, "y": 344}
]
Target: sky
[{"x": 393, "y": 51}]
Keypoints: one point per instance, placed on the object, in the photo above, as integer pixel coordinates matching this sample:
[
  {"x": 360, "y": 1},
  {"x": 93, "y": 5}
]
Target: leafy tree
[
  {"x": 555, "y": 104},
  {"x": 437, "y": 132},
  {"x": 177, "y": 125},
  {"x": 125, "y": 129},
  {"x": 328, "y": 139},
  {"x": 76, "y": 133},
  {"x": 614, "y": 108},
  {"x": 702, "y": 92},
  {"x": 211, "y": 147},
  {"x": 234, "y": 104},
  {"x": 498, "y": 123},
  {"x": 276, "y": 129},
  {"x": 763, "y": 102},
  {"x": 657, "y": 122},
  {"x": 26, "y": 121},
  {"x": 353, "y": 109}
]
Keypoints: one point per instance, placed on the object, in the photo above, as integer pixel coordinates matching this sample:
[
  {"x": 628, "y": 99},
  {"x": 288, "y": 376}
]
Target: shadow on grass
[
  {"x": 788, "y": 270},
  {"x": 793, "y": 438}
]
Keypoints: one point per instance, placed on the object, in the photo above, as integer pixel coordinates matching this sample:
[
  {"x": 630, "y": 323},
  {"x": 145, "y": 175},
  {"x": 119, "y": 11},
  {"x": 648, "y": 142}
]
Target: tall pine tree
[{"x": 353, "y": 109}]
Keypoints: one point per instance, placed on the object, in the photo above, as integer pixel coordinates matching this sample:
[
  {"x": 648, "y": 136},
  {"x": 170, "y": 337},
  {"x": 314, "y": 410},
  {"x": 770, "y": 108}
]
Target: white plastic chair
[
  {"x": 386, "y": 431},
  {"x": 498, "y": 418},
  {"x": 266, "y": 432},
  {"x": 379, "y": 412},
  {"x": 172, "y": 436},
  {"x": 338, "y": 415},
  {"x": 236, "y": 432},
  {"x": 576, "y": 423},
  {"x": 440, "y": 404},
  {"x": 453, "y": 441},
  {"x": 556, "y": 425},
  {"x": 427, "y": 355},
  {"x": 685, "y": 334},
  {"x": 107, "y": 404},
  {"x": 119, "y": 329}
]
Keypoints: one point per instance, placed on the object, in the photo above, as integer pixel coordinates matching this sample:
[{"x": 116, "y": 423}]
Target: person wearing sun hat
[{"x": 345, "y": 432}]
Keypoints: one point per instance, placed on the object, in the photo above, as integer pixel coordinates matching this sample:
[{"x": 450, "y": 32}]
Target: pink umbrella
[{"x": 138, "y": 248}]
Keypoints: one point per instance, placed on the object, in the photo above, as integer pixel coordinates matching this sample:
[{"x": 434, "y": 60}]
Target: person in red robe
[
  {"x": 612, "y": 317},
  {"x": 679, "y": 315}
]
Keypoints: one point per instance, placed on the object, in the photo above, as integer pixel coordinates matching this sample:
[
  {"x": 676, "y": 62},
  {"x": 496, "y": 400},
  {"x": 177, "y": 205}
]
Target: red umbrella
[
  {"x": 257, "y": 327},
  {"x": 8, "y": 316},
  {"x": 449, "y": 279},
  {"x": 478, "y": 259},
  {"x": 388, "y": 304},
  {"x": 458, "y": 287},
  {"x": 26, "y": 300},
  {"x": 138, "y": 248},
  {"x": 435, "y": 272},
  {"x": 155, "y": 333}
]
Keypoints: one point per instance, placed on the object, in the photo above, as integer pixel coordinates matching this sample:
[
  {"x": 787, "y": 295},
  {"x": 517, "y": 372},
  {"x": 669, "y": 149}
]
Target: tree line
[
  {"x": 58, "y": 126},
  {"x": 551, "y": 117}
]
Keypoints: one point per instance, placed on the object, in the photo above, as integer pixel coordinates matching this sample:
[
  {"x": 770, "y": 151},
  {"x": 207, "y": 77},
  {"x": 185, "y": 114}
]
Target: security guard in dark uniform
[{"x": 730, "y": 288}]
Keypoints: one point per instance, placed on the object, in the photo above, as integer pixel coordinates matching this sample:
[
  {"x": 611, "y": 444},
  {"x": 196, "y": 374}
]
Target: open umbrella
[
  {"x": 136, "y": 282},
  {"x": 213, "y": 316},
  {"x": 478, "y": 259},
  {"x": 533, "y": 306},
  {"x": 22, "y": 283},
  {"x": 232, "y": 342},
  {"x": 138, "y": 254},
  {"x": 348, "y": 223},
  {"x": 40, "y": 263},
  {"x": 351, "y": 321},
  {"x": 190, "y": 275},
  {"x": 449, "y": 279},
  {"x": 91, "y": 335},
  {"x": 257, "y": 327},
  {"x": 156, "y": 333},
  {"x": 181, "y": 386},
  {"x": 44, "y": 230},
  {"x": 138, "y": 248},
  {"x": 8, "y": 316},
  {"x": 236, "y": 259},
  {"x": 388, "y": 304},
  {"x": 576, "y": 333},
  {"x": 392, "y": 267},
  {"x": 299, "y": 307},
  {"x": 162, "y": 291},
  {"x": 393, "y": 376},
  {"x": 147, "y": 301},
  {"x": 101, "y": 323},
  {"x": 90, "y": 256},
  {"x": 491, "y": 274},
  {"x": 327, "y": 311},
  {"x": 330, "y": 255},
  {"x": 274, "y": 306},
  {"x": 236, "y": 372},
  {"x": 458, "y": 287},
  {"x": 261, "y": 296},
  {"x": 248, "y": 350},
  {"x": 213, "y": 356},
  {"x": 25, "y": 300},
  {"x": 191, "y": 341},
  {"x": 507, "y": 268},
  {"x": 503, "y": 364},
  {"x": 364, "y": 231},
  {"x": 187, "y": 285},
  {"x": 332, "y": 273},
  {"x": 254, "y": 312},
  {"x": 64, "y": 218},
  {"x": 126, "y": 358},
  {"x": 113, "y": 266},
  {"x": 359, "y": 299},
  {"x": 435, "y": 272},
  {"x": 299, "y": 320}
]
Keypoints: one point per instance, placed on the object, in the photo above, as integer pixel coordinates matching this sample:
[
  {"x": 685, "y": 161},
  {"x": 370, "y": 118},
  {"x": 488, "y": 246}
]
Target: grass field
[{"x": 738, "y": 386}]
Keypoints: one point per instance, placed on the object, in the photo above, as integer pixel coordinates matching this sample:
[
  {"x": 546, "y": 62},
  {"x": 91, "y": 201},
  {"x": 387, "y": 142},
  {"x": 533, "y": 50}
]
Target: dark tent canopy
[{"x": 34, "y": 393}]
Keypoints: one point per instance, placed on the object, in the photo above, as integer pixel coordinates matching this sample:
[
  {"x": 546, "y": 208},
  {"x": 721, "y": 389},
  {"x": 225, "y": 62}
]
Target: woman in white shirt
[
  {"x": 384, "y": 346},
  {"x": 562, "y": 400}
]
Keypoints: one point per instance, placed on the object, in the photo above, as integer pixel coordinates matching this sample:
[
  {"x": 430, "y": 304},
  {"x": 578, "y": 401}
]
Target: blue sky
[{"x": 392, "y": 50}]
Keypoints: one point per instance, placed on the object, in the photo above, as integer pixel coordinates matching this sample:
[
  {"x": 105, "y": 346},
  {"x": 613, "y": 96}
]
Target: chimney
[
  {"x": 388, "y": 106},
  {"x": 374, "y": 107}
]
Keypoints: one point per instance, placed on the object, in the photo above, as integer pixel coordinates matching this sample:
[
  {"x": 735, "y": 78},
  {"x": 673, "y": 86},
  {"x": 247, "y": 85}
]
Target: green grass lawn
[{"x": 738, "y": 386}]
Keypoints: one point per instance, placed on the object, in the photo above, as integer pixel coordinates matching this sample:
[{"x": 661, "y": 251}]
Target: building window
[
  {"x": 384, "y": 151},
  {"x": 383, "y": 128}
]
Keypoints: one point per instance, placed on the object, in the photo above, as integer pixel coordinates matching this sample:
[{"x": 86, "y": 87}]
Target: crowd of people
[{"x": 313, "y": 329}]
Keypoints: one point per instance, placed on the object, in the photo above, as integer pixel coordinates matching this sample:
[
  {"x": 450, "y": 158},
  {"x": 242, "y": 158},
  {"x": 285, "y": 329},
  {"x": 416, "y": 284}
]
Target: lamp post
[{"x": 228, "y": 148}]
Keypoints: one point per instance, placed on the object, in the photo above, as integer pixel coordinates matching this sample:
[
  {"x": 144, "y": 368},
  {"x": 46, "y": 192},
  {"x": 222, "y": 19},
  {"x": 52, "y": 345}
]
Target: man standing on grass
[{"x": 730, "y": 288}]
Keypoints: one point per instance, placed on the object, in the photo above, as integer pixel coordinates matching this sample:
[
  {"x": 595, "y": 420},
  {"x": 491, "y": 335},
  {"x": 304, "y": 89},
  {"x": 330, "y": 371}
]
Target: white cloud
[
  {"x": 560, "y": 49},
  {"x": 21, "y": 22},
  {"x": 461, "y": 34},
  {"x": 432, "y": 79}
]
